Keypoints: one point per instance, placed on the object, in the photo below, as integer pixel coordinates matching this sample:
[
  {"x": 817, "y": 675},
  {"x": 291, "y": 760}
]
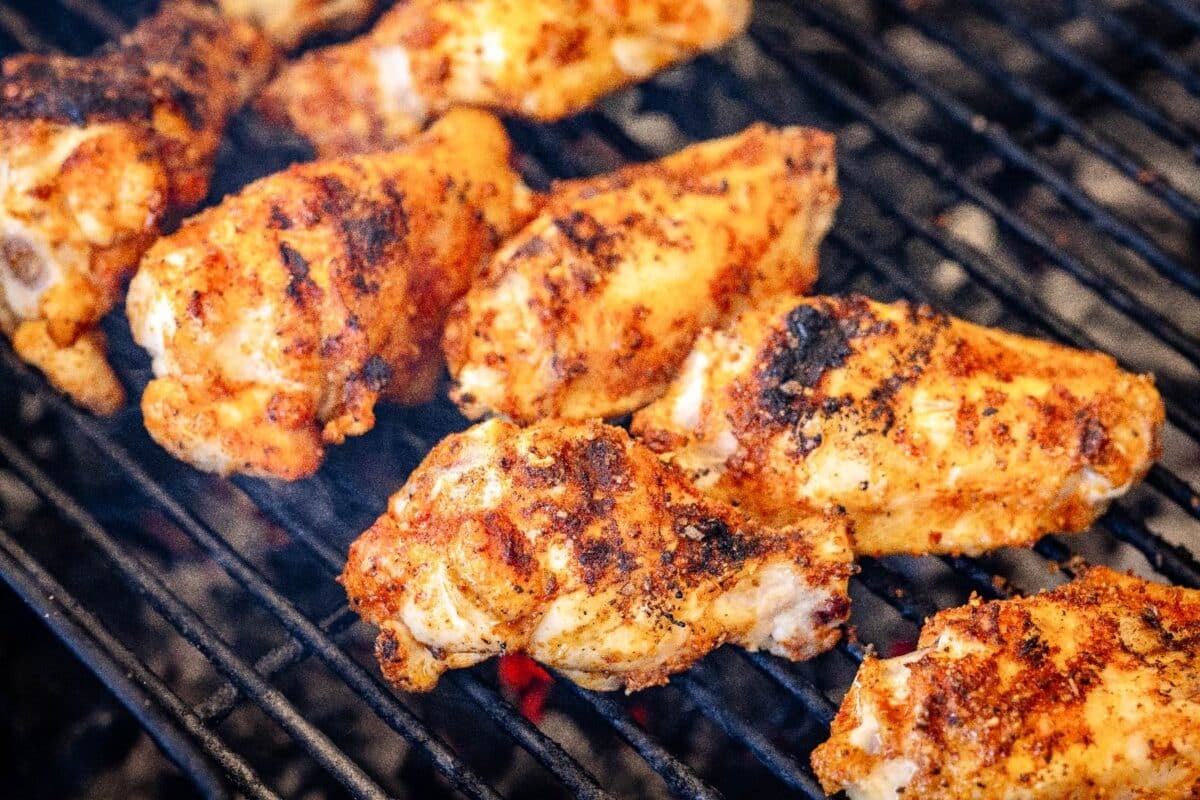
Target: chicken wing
[
  {"x": 96, "y": 155},
  {"x": 576, "y": 545},
  {"x": 936, "y": 435},
  {"x": 537, "y": 58},
  {"x": 590, "y": 310},
  {"x": 1091, "y": 690},
  {"x": 278, "y": 318},
  {"x": 290, "y": 22}
]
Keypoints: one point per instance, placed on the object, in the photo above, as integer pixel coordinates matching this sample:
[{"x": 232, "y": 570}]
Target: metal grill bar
[
  {"x": 1181, "y": 9},
  {"x": 1001, "y": 143},
  {"x": 194, "y": 629},
  {"x": 779, "y": 763},
  {"x": 1184, "y": 137},
  {"x": 378, "y": 697},
  {"x": 680, "y": 778},
  {"x": 157, "y": 708},
  {"x": 22, "y": 31},
  {"x": 98, "y": 16},
  {"x": 1048, "y": 110},
  {"x": 1119, "y": 29}
]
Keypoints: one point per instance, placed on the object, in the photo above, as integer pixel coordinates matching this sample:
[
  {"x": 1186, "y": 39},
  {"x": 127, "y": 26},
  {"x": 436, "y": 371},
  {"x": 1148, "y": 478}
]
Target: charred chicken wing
[
  {"x": 543, "y": 59},
  {"x": 576, "y": 545},
  {"x": 276, "y": 319},
  {"x": 290, "y": 22},
  {"x": 936, "y": 435},
  {"x": 1091, "y": 690},
  {"x": 96, "y": 155},
  {"x": 590, "y": 310}
]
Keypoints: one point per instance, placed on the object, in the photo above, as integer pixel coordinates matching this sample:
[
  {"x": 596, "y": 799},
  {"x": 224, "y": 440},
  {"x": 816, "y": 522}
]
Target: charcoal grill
[{"x": 1023, "y": 164}]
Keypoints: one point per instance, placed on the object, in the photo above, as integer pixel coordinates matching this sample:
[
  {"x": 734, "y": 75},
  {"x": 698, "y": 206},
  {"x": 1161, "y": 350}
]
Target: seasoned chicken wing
[
  {"x": 936, "y": 435},
  {"x": 290, "y": 22},
  {"x": 590, "y": 310},
  {"x": 536, "y": 58},
  {"x": 276, "y": 319},
  {"x": 1090, "y": 691},
  {"x": 576, "y": 545},
  {"x": 97, "y": 154}
]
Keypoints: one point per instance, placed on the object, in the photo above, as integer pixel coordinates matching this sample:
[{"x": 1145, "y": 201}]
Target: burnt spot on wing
[
  {"x": 707, "y": 545},
  {"x": 368, "y": 227},
  {"x": 161, "y": 65},
  {"x": 590, "y": 236},
  {"x": 511, "y": 545},
  {"x": 299, "y": 282},
  {"x": 814, "y": 340},
  {"x": 818, "y": 338},
  {"x": 376, "y": 373}
]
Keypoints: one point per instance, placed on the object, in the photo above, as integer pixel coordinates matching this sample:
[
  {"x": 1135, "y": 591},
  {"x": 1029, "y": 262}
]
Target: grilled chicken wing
[
  {"x": 290, "y": 22},
  {"x": 576, "y": 545},
  {"x": 1091, "y": 690},
  {"x": 936, "y": 435},
  {"x": 96, "y": 155},
  {"x": 537, "y": 58},
  {"x": 591, "y": 309},
  {"x": 276, "y": 319}
]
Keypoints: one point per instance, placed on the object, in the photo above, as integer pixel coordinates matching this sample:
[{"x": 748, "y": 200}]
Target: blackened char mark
[
  {"x": 376, "y": 373},
  {"x": 297, "y": 267},
  {"x": 367, "y": 226},
  {"x": 813, "y": 343},
  {"x": 590, "y": 236}
]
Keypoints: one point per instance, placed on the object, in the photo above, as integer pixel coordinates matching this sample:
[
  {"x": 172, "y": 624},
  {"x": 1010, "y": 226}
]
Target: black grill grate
[{"x": 1061, "y": 130}]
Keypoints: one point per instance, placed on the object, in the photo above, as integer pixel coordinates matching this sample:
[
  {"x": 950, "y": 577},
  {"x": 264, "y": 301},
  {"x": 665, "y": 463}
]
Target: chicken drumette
[
  {"x": 277, "y": 318},
  {"x": 97, "y": 154},
  {"x": 590, "y": 310},
  {"x": 576, "y": 545},
  {"x": 936, "y": 435},
  {"x": 543, "y": 59},
  {"x": 1091, "y": 690}
]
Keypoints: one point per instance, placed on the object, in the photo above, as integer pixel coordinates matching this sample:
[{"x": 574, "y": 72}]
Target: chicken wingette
[
  {"x": 1087, "y": 692},
  {"x": 574, "y": 544},
  {"x": 590, "y": 310},
  {"x": 276, "y": 319},
  {"x": 543, "y": 59},
  {"x": 97, "y": 154},
  {"x": 936, "y": 435},
  {"x": 290, "y": 22}
]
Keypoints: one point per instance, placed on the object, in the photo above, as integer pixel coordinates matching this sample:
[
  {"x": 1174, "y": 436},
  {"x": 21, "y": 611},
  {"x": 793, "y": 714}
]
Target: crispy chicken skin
[
  {"x": 574, "y": 544},
  {"x": 290, "y": 22},
  {"x": 543, "y": 59},
  {"x": 1087, "y": 692},
  {"x": 97, "y": 154},
  {"x": 590, "y": 310},
  {"x": 936, "y": 435},
  {"x": 278, "y": 318}
]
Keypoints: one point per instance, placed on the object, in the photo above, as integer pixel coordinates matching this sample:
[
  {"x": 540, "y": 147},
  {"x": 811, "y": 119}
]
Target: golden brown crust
[
  {"x": 576, "y": 545},
  {"x": 934, "y": 434},
  {"x": 590, "y": 310},
  {"x": 100, "y": 153},
  {"x": 290, "y": 22},
  {"x": 539, "y": 58},
  {"x": 278, "y": 318},
  {"x": 81, "y": 369},
  {"x": 1091, "y": 690}
]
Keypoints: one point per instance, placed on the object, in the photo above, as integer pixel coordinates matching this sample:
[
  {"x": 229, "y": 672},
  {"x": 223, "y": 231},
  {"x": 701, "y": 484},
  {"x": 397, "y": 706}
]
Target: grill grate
[{"x": 986, "y": 112}]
